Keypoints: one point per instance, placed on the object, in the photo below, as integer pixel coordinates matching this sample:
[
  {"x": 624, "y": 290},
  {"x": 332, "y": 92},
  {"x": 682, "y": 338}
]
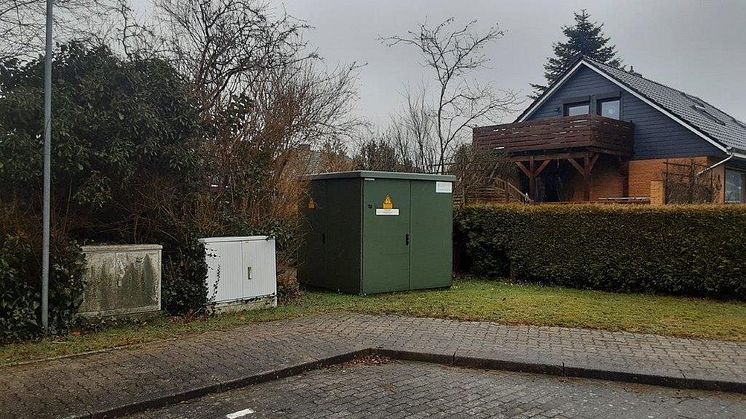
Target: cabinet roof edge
[
  {"x": 207, "y": 240},
  {"x": 382, "y": 175},
  {"x": 120, "y": 248}
]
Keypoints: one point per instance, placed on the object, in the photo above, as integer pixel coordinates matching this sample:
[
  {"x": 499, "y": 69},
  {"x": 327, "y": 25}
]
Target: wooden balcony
[
  {"x": 579, "y": 140},
  {"x": 586, "y": 133}
]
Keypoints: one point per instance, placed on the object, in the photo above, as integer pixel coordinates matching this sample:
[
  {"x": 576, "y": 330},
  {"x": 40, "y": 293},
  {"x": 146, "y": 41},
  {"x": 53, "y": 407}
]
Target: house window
[
  {"x": 733, "y": 186},
  {"x": 575, "y": 109},
  {"x": 609, "y": 108}
]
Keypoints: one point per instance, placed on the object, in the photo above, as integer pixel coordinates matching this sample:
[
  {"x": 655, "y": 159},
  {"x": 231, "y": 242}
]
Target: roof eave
[
  {"x": 589, "y": 64},
  {"x": 536, "y": 104}
]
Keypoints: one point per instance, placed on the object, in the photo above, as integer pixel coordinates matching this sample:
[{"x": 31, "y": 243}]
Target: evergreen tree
[{"x": 586, "y": 39}]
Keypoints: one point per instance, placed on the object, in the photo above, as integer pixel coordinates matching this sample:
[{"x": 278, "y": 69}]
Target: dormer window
[
  {"x": 579, "y": 108},
  {"x": 697, "y": 101},
  {"x": 737, "y": 122},
  {"x": 701, "y": 109}
]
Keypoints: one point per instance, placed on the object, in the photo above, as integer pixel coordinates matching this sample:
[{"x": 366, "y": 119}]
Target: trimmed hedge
[{"x": 678, "y": 250}]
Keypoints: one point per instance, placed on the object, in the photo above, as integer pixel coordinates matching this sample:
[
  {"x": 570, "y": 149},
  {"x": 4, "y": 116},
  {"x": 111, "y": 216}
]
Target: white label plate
[
  {"x": 381, "y": 211},
  {"x": 443, "y": 187}
]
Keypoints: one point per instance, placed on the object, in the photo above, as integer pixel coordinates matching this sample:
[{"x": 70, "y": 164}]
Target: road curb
[
  {"x": 563, "y": 370},
  {"x": 257, "y": 378},
  {"x": 434, "y": 358}
]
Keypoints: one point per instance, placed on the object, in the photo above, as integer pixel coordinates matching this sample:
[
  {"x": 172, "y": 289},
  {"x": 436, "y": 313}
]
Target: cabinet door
[
  {"x": 386, "y": 235},
  {"x": 259, "y": 271},
  {"x": 224, "y": 264},
  {"x": 311, "y": 258},
  {"x": 432, "y": 235},
  {"x": 342, "y": 229}
]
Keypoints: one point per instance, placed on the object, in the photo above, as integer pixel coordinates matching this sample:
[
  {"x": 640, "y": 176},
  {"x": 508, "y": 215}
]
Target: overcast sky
[{"x": 694, "y": 46}]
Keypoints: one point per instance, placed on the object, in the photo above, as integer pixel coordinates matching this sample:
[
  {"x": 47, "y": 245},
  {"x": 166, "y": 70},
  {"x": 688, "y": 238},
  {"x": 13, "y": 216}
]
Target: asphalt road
[{"x": 378, "y": 388}]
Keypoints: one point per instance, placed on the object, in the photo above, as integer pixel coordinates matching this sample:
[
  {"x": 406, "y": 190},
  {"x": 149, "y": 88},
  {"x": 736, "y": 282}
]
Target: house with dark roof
[{"x": 601, "y": 133}]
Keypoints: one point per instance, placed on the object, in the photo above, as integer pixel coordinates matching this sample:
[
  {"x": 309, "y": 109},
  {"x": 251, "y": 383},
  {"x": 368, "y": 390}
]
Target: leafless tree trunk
[{"x": 461, "y": 101}]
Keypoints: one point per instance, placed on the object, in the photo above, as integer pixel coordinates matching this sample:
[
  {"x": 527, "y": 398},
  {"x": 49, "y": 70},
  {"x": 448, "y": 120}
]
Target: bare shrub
[{"x": 685, "y": 183}]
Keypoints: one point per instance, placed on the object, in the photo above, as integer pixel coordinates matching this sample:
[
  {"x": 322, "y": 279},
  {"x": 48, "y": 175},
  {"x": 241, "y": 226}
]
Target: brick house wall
[{"x": 642, "y": 172}]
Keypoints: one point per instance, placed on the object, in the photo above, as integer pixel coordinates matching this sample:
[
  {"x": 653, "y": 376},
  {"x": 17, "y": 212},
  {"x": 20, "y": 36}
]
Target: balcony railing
[{"x": 571, "y": 133}]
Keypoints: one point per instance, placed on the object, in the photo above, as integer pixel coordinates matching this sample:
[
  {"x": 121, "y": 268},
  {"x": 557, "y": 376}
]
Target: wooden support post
[
  {"x": 588, "y": 161},
  {"x": 532, "y": 179},
  {"x": 532, "y": 172},
  {"x": 624, "y": 171},
  {"x": 586, "y": 179},
  {"x": 543, "y": 166},
  {"x": 594, "y": 158},
  {"x": 576, "y": 165},
  {"x": 523, "y": 168}
]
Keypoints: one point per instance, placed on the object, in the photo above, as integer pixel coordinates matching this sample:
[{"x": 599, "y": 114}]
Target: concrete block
[{"x": 122, "y": 280}]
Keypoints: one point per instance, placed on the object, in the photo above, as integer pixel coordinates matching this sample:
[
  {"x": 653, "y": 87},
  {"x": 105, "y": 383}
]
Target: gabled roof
[{"x": 708, "y": 122}]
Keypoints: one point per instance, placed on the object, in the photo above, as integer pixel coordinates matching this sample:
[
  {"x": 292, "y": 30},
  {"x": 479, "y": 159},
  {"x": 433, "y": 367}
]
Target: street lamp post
[{"x": 47, "y": 170}]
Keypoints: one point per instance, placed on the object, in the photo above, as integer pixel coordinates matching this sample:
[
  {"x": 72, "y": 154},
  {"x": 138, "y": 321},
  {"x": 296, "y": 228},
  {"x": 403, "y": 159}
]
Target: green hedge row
[{"x": 678, "y": 250}]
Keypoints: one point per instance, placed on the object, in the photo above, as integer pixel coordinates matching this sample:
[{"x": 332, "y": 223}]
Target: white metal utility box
[{"x": 241, "y": 272}]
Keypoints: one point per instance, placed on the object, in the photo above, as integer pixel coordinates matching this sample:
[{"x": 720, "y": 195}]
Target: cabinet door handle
[
  {"x": 248, "y": 273},
  {"x": 323, "y": 238},
  {"x": 406, "y": 239}
]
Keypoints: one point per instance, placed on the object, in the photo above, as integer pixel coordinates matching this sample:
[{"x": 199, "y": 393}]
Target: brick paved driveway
[
  {"x": 408, "y": 389},
  {"x": 109, "y": 381}
]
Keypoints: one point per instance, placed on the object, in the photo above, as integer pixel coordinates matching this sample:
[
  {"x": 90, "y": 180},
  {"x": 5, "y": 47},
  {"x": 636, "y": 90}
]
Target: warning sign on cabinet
[
  {"x": 388, "y": 207},
  {"x": 387, "y": 211}
]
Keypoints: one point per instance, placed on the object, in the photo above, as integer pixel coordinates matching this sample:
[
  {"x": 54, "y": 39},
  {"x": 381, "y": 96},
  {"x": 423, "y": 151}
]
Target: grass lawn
[{"x": 466, "y": 300}]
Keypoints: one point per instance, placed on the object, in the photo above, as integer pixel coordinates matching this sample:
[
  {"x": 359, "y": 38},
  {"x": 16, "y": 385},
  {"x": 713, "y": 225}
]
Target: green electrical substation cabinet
[{"x": 371, "y": 232}]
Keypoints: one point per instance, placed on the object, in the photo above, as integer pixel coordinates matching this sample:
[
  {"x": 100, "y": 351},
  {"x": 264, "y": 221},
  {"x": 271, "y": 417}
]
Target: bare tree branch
[
  {"x": 226, "y": 45},
  {"x": 461, "y": 102},
  {"x": 22, "y": 24}
]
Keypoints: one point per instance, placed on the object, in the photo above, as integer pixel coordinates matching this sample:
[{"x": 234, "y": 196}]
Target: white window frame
[{"x": 725, "y": 185}]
